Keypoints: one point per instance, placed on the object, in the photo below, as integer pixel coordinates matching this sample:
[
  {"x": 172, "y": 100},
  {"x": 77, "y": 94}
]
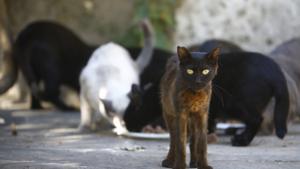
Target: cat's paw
[
  {"x": 83, "y": 129},
  {"x": 206, "y": 167},
  {"x": 193, "y": 164},
  {"x": 167, "y": 163},
  {"x": 151, "y": 129},
  {"x": 240, "y": 140},
  {"x": 180, "y": 166}
]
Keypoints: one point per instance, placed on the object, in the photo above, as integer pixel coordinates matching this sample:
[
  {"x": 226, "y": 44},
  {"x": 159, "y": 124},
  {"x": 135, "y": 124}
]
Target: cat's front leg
[
  {"x": 201, "y": 129},
  {"x": 168, "y": 162},
  {"x": 180, "y": 141},
  {"x": 86, "y": 119},
  {"x": 202, "y": 150},
  {"x": 35, "y": 103},
  {"x": 193, "y": 144},
  {"x": 252, "y": 126},
  {"x": 245, "y": 138}
]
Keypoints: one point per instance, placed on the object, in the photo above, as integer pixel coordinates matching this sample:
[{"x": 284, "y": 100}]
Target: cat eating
[
  {"x": 106, "y": 81},
  {"x": 49, "y": 55},
  {"x": 145, "y": 104},
  {"x": 185, "y": 96}
]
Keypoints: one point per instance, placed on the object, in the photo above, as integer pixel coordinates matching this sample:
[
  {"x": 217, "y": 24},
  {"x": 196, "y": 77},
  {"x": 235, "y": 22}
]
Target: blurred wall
[
  {"x": 94, "y": 21},
  {"x": 257, "y": 25}
]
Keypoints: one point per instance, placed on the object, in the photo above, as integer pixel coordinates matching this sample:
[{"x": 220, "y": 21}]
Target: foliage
[{"x": 162, "y": 16}]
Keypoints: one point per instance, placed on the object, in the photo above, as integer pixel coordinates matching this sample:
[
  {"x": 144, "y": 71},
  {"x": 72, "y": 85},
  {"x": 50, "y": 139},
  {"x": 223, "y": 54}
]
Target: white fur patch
[{"x": 108, "y": 75}]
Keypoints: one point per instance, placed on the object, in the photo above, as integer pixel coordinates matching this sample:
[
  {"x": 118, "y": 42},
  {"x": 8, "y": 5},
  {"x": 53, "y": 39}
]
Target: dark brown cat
[{"x": 185, "y": 96}]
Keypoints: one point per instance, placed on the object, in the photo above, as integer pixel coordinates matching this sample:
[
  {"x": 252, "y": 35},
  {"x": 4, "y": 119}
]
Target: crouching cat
[
  {"x": 185, "y": 95},
  {"x": 50, "y": 54},
  {"x": 106, "y": 81}
]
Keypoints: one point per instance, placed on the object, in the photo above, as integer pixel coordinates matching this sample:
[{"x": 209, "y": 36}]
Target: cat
[
  {"x": 286, "y": 55},
  {"x": 280, "y": 56},
  {"x": 185, "y": 96},
  {"x": 246, "y": 83},
  {"x": 106, "y": 81},
  {"x": 49, "y": 55},
  {"x": 145, "y": 107}
]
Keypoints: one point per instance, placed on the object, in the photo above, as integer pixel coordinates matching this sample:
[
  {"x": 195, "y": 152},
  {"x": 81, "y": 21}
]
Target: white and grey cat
[{"x": 106, "y": 81}]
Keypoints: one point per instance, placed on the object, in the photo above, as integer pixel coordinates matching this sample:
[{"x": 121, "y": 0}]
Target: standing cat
[
  {"x": 246, "y": 82},
  {"x": 49, "y": 56},
  {"x": 185, "y": 96},
  {"x": 243, "y": 88},
  {"x": 107, "y": 79}
]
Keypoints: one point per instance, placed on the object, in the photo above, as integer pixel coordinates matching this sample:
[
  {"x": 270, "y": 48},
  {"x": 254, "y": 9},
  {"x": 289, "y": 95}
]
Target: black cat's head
[{"x": 197, "y": 68}]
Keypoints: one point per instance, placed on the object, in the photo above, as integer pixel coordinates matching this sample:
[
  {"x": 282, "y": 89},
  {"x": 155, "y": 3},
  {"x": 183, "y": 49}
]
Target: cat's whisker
[
  {"x": 218, "y": 94},
  {"x": 224, "y": 90}
]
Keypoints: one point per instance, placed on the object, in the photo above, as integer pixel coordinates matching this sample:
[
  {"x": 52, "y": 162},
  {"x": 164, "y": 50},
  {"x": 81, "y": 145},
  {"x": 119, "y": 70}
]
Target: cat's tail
[
  {"x": 145, "y": 56},
  {"x": 8, "y": 66},
  {"x": 281, "y": 108}
]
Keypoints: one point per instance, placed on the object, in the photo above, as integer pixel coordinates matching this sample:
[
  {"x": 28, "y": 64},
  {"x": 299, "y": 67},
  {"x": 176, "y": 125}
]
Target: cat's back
[
  {"x": 56, "y": 42},
  {"x": 111, "y": 54},
  {"x": 111, "y": 66},
  {"x": 111, "y": 59},
  {"x": 209, "y": 45},
  {"x": 242, "y": 63},
  {"x": 47, "y": 31},
  {"x": 247, "y": 70}
]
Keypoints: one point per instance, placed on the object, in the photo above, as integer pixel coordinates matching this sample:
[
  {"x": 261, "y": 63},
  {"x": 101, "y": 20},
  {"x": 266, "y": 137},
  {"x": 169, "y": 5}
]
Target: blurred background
[{"x": 255, "y": 25}]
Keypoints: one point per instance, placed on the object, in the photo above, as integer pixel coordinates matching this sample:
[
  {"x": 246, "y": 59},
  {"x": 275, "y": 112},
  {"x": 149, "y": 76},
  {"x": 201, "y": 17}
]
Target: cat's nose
[{"x": 198, "y": 80}]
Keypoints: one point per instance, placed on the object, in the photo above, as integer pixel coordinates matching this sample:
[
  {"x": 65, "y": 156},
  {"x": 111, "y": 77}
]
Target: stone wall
[{"x": 256, "y": 25}]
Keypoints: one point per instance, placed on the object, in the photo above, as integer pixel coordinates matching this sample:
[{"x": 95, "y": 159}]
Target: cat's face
[{"x": 197, "y": 69}]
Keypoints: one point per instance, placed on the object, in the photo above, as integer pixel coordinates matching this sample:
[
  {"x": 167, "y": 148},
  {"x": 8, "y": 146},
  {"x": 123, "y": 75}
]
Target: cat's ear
[
  {"x": 183, "y": 54},
  {"x": 213, "y": 56}
]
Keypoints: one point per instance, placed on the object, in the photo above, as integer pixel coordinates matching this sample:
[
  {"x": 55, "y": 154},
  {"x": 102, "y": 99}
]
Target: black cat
[
  {"x": 224, "y": 45},
  {"x": 51, "y": 55},
  {"x": 245, "y": 84},
  {"x": 242, "y": 89},
  {"x": 145, "y": 104}
]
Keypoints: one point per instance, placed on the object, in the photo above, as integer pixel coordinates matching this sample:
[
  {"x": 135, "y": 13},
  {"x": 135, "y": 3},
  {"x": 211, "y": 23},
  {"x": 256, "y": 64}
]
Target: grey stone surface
[{"x": 46, "y": 140}]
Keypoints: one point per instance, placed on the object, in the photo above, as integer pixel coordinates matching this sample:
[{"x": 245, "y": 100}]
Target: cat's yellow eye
[
  {"x": 189, "y": 71},
  {"x": 205, "y": 71}
]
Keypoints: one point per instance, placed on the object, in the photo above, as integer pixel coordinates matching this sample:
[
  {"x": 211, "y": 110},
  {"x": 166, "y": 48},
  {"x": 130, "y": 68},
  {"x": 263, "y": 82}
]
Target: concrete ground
[{"x": 45, "y": 140}]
